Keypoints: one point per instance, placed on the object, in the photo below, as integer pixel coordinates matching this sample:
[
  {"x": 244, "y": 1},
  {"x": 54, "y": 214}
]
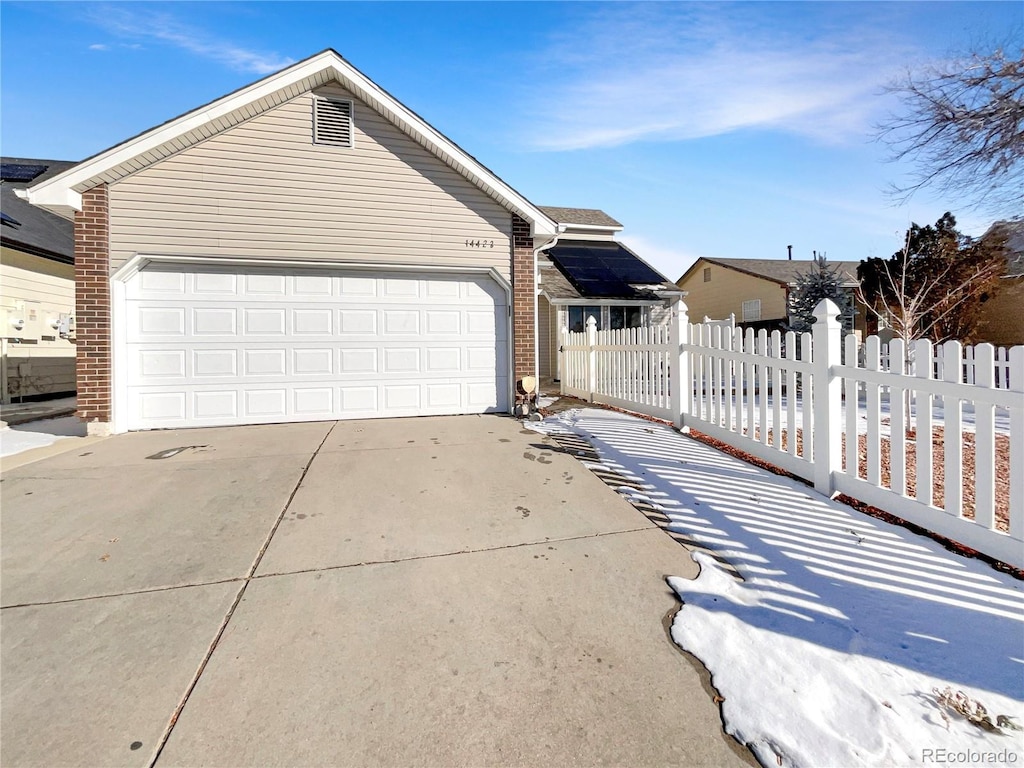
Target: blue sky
[{"x": 728, "y": 130}]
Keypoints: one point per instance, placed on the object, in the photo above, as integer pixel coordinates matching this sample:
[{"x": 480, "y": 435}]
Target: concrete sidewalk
[
  {"x": 12, "y": 414},
  {"x": 442, "y": 591}
]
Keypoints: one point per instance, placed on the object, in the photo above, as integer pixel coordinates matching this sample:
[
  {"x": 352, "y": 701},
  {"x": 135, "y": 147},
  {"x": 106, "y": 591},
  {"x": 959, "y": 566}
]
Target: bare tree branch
[{"x": 962, "y": 127}]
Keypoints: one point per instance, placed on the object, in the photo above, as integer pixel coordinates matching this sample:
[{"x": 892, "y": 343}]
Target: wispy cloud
[
  {"x": 669, "y": 72},
  {"x": 144, "y": 25},
  {"x": 99, "y": 47}
]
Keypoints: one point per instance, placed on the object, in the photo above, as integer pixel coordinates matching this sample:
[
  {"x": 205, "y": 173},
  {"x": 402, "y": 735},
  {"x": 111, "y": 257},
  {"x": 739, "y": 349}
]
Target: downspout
[{"x": 536, "y": 295}]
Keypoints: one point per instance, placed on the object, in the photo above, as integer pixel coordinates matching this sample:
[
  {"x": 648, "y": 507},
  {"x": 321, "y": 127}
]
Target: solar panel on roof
[
  {"x": 20, "y": 171},
  {"x": 9, "y": 220},
  {"x": 602, "y": 269}
]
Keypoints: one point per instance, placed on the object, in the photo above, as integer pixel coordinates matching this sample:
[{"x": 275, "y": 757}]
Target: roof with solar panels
[
  {"x": 586, "y": 262},
  {"x": 25, "y": 227}
]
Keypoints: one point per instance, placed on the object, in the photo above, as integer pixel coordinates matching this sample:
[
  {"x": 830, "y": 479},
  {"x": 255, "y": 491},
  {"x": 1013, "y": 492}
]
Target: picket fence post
[
  {"x": 678, "y": 361},
  {"x": 591, "y": 356},
  {"x": 827, "y": 396}
]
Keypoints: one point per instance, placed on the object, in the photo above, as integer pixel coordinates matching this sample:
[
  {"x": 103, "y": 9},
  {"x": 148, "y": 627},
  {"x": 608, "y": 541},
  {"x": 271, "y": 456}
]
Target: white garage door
[{"x": 209, "y": 346}]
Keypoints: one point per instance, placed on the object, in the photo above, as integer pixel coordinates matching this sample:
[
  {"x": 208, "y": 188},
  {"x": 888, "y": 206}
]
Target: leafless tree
[
  {"x": 919, "y": 307},
  {"x": 962, "y": 127}
]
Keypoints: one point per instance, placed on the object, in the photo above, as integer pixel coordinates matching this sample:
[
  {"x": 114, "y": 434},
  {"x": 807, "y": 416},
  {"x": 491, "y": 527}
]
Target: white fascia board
[
  {"x": 569, "y": 227},
  {"x": 603, "y": 302},
  {"x": 58, "y": 192},
  {"x": 53, "y": 191}
]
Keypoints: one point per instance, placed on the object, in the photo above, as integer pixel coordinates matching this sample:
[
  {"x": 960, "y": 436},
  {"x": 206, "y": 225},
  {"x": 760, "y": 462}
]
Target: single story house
[
  {"x": 755, "y": 292},
  {"x": 37, "y": 288},
  {"x": 587, "y": 273},
  {"x": 304, "y": 248}
]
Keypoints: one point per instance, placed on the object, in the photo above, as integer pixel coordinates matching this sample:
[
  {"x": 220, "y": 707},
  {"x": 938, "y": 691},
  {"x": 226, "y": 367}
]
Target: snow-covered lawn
[{"x": 836, "y": 646}]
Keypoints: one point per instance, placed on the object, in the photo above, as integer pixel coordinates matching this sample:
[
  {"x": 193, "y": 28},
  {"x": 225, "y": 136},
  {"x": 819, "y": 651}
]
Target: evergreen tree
[
  {"x": 933, "y": 287},
  {"x": 821, "y": 281}
]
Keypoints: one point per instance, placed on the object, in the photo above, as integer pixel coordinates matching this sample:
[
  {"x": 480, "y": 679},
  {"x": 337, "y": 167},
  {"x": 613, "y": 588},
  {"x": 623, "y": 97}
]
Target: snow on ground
[
  {"x": 829, "y": 651},
  {"x": 1001, "y": 416},
  {"x": 35, "y": 434}
]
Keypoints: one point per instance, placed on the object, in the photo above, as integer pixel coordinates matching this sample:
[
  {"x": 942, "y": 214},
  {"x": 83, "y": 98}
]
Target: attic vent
[{"x": 332, "y": 122}]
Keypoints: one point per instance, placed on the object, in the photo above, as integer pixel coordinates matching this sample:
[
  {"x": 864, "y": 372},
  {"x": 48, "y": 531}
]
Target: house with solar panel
[
  {"x": 37, "y": 288},
  {"x": 588, "y": 273},
  {"x": 309, "y": 248}
]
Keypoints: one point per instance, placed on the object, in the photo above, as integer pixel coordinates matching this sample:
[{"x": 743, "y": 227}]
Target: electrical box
[
  {"x": 66, "y": 326},
  {"x": 22, "y": 321}
]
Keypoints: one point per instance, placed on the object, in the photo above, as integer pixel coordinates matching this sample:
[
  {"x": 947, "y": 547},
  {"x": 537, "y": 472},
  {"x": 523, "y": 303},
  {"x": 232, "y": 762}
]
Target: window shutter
[{"x": 332, "y": 122}]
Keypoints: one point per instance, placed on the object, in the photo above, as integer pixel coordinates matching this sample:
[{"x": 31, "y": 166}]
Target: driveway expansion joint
[
  {"x": 126, "y": 593},
  {"x": 235, "y": 603},
  {"x": 413, "y": 558}
]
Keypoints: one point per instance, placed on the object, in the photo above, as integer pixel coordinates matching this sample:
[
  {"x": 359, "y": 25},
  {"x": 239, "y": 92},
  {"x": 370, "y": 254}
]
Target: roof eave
[{"x": 58, "y": 194}]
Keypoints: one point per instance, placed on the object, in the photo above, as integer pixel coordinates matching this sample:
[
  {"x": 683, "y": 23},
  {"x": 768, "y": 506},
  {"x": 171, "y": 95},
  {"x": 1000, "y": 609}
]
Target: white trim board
[{"x": 62, "y": 193}]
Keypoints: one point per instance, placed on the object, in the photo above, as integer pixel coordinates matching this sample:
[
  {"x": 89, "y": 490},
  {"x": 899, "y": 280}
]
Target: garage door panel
[
  {"x": 397, "y": 322},
  {"x": 215, "y": 321},
  {"x": 218, "y": 404},
  {"x": 443, "y": 360},
  {"x": 214, "y": 363},
  {"x": 214, "y": 346},
  {"x": 262, "y": 284},
  {"x": 162, "y": 364},
  {"x": 266, "y": 403},
  {"x": 399, "y": 360},
  {"x": 357, "y": 401},
  {"x": 161, "y": 406},
  {"x": 357, "y": 361},
  {"x": 216, "y": 283},
  {"x": 402, "y": 287},
  {"x": 264, "y": 322},
  {"x": 314, "y": 401},
  {"x": 440, "y": 322},
  {"x": 358, "y": 322},
  {"x": 160, "y": 282}
]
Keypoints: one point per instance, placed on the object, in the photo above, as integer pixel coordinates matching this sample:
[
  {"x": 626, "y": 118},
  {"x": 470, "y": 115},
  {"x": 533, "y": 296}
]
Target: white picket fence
[
  {"x": 967, "y": 362},
  {"x": 794, "y": 402}
]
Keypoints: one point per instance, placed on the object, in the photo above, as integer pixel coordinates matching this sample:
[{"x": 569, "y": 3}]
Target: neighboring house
[
  {"x": 304, "y": 248},
  {"x": 587, "y": 273},
  {"x": 37, "y": 288},
  {"x": 756, "y": 291},
  {"x": 1001, "y": 319}
]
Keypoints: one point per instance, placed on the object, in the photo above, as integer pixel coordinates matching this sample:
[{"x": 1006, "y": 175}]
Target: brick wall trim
[
  {"x": 524, "y": 298},
  {"x": 92, "y": 306}
]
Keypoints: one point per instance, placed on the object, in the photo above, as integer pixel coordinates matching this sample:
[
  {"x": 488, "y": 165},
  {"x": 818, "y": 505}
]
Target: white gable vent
[{"x": 332, "y": 122}]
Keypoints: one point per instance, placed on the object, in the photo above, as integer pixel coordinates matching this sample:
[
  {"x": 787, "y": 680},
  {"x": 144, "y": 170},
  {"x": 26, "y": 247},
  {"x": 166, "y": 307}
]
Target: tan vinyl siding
[
  {"x": 263, "y": 190},
  {"x": 36, "y": 365},
  {"x": 1002, "y": 322},
  {"x": 726, "y": 292}
]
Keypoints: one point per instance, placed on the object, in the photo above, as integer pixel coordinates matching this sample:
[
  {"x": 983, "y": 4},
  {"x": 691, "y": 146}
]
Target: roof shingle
[
  {"x": 36, "y": 230},
  {"x": 590, "y": 217}
]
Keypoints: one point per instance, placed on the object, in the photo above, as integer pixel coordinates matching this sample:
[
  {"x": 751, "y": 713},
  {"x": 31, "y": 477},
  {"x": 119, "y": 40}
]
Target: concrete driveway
[{"x": 435, "y": 591}]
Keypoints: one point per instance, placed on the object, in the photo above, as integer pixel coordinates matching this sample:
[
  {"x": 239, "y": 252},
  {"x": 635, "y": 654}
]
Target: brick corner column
[
  {"x": 93, "y": 357},
  {"x": 524, "y": 297}
]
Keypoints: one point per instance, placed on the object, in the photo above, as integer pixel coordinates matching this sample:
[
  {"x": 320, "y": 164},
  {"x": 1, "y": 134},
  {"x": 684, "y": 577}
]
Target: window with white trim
[
  {"x": 614, "y": 317},
  {"x": 332, "y": 122},
  {"x": 751, "y": 311}
]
